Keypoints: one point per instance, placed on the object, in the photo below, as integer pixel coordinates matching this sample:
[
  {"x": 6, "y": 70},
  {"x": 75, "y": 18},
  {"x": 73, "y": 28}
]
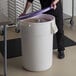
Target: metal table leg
[
  {"x": 5, "y": 50},
  {"x": 72, "y": 19}
]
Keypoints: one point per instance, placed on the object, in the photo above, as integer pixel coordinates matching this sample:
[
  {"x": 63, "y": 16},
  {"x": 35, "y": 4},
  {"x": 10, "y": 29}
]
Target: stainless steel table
[
  {"x": 72, "y": 17},
  {"x": 3, "y": 22}
]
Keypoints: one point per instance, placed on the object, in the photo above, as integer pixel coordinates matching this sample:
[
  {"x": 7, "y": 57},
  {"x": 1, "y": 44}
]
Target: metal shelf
[{"x": 14, "y": 9}]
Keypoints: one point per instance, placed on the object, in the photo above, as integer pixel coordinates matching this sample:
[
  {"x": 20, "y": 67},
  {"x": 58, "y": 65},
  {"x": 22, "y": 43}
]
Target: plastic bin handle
[
  {"x": 34, "y": 13},
  {"x": 54, "y": 28}
]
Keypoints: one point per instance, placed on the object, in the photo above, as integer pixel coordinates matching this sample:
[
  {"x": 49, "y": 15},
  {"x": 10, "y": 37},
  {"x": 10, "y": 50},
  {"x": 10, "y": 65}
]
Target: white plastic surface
[{"x": 37, "y": 44}]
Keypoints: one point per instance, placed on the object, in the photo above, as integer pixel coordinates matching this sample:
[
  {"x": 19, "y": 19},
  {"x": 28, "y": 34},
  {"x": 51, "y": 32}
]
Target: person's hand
[
  {"x": 22, "y": 14},
  {"x": 53, "y": 5}
]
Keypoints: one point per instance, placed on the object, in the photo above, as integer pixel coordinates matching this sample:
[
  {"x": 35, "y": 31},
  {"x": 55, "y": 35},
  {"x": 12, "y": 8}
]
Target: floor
[{"x": 64, "y": 67}]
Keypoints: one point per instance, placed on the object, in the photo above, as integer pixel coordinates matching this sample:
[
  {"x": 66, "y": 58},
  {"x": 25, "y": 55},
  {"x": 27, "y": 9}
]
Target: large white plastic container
[{"x": 37, "y": 42}]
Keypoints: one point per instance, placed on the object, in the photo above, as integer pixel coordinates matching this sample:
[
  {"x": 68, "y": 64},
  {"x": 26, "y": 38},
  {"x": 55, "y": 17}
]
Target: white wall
[{"x": 67, "y": 7}]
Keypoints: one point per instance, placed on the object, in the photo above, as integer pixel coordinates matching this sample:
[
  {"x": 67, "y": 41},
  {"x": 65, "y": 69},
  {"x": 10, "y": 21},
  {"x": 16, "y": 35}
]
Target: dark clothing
[{"x": 58, "y": 13}]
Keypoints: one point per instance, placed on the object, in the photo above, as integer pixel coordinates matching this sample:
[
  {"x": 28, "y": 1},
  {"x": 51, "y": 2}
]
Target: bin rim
[{"x": 51, "y": 19}]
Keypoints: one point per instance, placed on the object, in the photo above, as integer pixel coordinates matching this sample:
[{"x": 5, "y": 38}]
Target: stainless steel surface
[
  {"x": 5, "y": 50},
  {"x": 4, "y": 21},
  {"x": 15, "y": 8},
  {"x": 36, "y": 5}
]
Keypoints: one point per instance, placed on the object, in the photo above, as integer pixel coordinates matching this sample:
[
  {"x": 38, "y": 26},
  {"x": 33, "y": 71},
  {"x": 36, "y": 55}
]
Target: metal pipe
[{"x": 5, "y": 50}]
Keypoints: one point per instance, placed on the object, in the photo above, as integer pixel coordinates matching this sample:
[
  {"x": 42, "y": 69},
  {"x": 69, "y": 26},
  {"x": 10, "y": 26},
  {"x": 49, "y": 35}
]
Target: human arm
[{"x": 28, "y": 4}]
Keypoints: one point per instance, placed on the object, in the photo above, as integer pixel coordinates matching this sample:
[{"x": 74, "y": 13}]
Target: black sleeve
[{"x": 30, "y": 1}]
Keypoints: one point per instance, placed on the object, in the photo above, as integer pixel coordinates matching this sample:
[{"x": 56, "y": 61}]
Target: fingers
[
  {"x": 56, "y": 1},
  {"x": 53, "y": 5},
  {"x": 21, "y": 14}
]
